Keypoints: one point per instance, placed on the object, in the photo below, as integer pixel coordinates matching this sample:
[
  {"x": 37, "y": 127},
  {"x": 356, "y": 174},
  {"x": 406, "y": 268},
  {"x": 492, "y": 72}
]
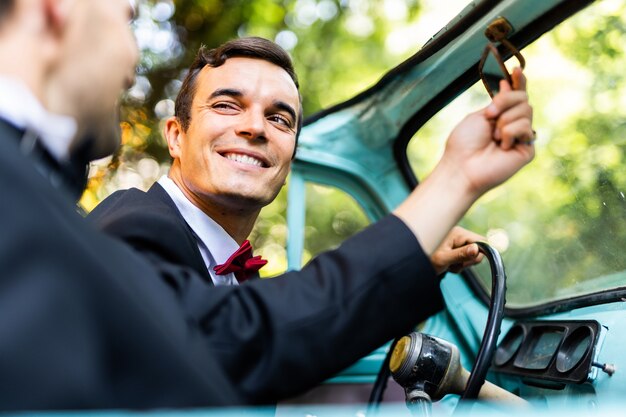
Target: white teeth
[{"x": 244, "y": 159}]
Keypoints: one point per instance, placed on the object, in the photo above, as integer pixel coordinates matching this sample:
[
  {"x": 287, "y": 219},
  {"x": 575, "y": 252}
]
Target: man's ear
[{"x": 174, "y": 135}]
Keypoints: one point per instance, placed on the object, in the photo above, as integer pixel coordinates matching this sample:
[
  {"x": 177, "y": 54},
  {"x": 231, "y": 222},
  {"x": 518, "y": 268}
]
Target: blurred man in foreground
[
  {"x": 83, "y": 320},
  {"x": 86, "y": 322}
]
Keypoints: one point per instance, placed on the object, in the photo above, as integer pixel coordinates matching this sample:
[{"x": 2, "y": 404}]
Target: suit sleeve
[
  {"x": 281, "y": 336},
  {"x": 151, "y": 227},
  {"x": 87, "y": 323},
  {"x": 84, "y": 321},
  {"x": 275, "y": 338}
]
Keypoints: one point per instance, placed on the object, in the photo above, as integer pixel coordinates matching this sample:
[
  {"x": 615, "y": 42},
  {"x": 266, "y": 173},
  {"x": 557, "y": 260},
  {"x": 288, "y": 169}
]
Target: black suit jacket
[
  {"x": 86, "y": 321},
  {"x": 340, "y": 307},
  {"x": 152, "y": 224}
]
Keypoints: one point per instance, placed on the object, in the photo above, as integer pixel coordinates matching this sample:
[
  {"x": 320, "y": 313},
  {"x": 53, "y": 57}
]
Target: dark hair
[
  {"x": 250, "y": 47},
  {"x": 5, "y": 8}
]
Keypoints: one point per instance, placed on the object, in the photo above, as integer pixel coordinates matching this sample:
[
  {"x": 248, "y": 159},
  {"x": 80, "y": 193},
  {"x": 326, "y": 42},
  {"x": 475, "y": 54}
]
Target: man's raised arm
[{"x": 484, "y": 150}]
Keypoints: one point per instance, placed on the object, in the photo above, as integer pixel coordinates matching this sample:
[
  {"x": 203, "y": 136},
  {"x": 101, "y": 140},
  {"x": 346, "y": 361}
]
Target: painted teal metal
[
  {"x": 463, "y": 321},
  {"x": 352, "y": 149},
  {"x": 296, "y": 212},
  {"x": 357, "y": 140}
]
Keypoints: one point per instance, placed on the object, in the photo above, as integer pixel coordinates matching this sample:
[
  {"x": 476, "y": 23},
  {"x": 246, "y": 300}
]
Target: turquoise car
[{"x": 559, "y": 224}]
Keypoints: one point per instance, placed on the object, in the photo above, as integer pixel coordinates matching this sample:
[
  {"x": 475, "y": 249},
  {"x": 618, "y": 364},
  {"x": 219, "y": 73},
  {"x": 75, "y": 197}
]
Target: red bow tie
[{"x": 242, "y": 263}]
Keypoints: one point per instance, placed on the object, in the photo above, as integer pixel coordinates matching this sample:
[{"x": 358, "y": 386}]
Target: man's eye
[
  {"x": 224, "y": 105},
  {"x": 280, "y": 119}
]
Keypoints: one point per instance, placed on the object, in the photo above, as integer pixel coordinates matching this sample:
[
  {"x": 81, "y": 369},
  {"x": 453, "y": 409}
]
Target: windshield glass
[{"x": 560, "y": 223}]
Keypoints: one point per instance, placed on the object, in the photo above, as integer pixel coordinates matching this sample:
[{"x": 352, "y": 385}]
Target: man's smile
[{"x": 245, "y": 158}]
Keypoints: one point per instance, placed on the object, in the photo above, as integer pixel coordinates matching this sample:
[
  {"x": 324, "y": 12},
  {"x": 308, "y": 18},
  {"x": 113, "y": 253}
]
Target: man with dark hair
[
  {"x": 216, "y": 187},
  {"x": 232, "y": 140},
  {"x": 5, "y": 8},
  {"x": 86, "y": 322},
  {"x": 252, "y": 47}
]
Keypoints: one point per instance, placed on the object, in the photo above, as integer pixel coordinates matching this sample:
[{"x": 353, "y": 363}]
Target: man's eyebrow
[
  {"x": 231, "y": 92},
  {"x": 281, "y": 105}
]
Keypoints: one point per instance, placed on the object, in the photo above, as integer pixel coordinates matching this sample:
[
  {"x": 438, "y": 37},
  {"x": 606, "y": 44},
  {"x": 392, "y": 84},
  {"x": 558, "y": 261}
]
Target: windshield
[{"x": 560, "y": 223}]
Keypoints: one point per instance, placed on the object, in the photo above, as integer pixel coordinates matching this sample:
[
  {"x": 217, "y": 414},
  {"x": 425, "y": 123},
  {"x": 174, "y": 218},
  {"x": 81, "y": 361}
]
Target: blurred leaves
[
  {"x": 563, "y": 217},
  {"x": 332, "y": 216}
]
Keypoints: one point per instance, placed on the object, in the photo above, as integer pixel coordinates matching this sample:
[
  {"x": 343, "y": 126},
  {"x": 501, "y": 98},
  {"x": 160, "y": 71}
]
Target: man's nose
[{"x": 252, "y": 125}]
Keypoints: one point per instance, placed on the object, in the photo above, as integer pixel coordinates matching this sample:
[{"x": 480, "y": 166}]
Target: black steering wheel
[
  {"x": 489, "y": 341},
  {"x": 494, "y": 321}
]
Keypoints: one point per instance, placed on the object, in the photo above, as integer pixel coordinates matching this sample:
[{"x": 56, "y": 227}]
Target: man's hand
[
  {"x": 490, "y": 145},
  {"x": 484, "y": 150},
  {"x": 457, "y": 251}
]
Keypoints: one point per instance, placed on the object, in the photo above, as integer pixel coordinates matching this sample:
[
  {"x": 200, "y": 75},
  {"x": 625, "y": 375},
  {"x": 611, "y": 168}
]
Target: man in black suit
[
  {"x": 217, "y": 186},
  {"x": 83, "y": 320},
  {"x": 232, "y": 139},
  {"x": 86, "y": 322}
]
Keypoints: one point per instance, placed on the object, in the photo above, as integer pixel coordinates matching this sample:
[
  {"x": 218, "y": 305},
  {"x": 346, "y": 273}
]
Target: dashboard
[{"x": 556, "y": 351}]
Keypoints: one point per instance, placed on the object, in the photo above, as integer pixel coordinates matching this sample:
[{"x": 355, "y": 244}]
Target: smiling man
[
  {"x": 233, "y": 155},
  {"x": 232, "y": 138}
]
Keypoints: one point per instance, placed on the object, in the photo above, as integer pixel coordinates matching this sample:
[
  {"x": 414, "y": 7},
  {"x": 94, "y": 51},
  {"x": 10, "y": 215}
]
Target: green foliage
[
  {"x": 332, "y": 216},
  {"x": 560, "y": 223}
]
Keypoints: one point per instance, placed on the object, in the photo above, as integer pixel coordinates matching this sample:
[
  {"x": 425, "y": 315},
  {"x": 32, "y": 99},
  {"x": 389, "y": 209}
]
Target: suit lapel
[
  {"x": 196, "y": 260},
  {"x": 70, "y": 178},
  {"x": 159, "y": 193}
]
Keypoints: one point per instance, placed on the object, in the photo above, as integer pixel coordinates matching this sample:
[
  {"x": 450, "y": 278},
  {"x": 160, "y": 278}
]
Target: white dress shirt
[
  {"x": 215, "y": 245},
  {"x": 19, "y": 106}
]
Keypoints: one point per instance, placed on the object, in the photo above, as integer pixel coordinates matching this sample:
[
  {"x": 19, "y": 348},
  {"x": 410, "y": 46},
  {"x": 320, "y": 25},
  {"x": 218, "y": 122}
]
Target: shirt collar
[
  {"x": 219, "y": 243},
  {"x": 20, "y": 107}
]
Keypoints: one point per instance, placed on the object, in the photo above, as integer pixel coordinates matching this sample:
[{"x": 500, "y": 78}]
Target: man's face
[
  {"x": 238, "y": 146},
  {"x": 99, "y": 62}
]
